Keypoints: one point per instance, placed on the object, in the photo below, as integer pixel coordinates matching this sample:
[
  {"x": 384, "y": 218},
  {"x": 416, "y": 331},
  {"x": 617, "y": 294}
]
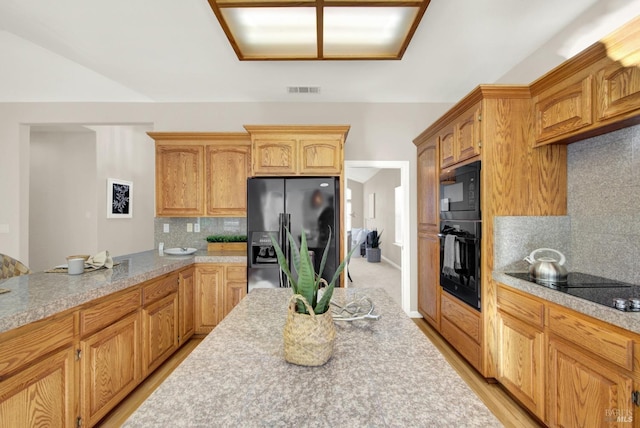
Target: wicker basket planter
[{"x": 308, "y": 338}]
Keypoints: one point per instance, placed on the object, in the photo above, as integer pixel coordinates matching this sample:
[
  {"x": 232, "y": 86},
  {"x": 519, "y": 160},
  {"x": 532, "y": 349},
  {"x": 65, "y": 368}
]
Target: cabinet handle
[{"x": 635, "y": 398}]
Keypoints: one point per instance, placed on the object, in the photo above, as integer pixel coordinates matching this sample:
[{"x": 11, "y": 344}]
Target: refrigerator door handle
[{"x": 282, "y": 241}]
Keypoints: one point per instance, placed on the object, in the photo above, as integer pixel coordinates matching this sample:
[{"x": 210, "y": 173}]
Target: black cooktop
[{"x": 589, "y": 287}]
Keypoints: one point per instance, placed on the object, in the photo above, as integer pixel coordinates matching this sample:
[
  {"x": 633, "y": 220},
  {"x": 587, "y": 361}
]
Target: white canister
[{"x": 75, "y": 265}]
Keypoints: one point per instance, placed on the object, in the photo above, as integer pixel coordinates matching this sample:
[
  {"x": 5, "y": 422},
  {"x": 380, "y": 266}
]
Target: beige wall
[
  {"x": 383, "y": 185},
  {"x": 68, "y": 193},
  {"x": 382, "y": 131}
]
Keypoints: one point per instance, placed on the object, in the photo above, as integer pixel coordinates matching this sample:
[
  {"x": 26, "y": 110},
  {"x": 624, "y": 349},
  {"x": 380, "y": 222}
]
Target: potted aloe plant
[
  {"x": 309, "y": 332},
  {"x": 373, "y": 246}
]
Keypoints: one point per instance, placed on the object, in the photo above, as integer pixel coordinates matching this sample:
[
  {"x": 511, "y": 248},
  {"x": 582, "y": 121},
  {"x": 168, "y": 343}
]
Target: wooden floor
[{"x": 492, "y": 394}]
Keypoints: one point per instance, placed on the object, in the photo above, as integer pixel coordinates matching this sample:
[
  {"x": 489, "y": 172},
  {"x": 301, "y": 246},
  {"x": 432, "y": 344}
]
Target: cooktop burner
[{"x": 593, "y": 288}]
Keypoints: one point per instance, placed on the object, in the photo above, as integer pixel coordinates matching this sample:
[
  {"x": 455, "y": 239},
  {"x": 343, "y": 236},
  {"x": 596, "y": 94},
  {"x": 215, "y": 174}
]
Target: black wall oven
[
  {"x": 460, "y": 259},
  {"x": 460, "y": 234}
]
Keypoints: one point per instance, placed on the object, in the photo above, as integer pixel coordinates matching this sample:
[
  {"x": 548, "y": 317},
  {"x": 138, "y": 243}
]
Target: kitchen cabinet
[
  {"x": 460, "y": 140},
  {"x": 160, "y": 321},
  {"x": 38, "y": 374},
  {"x": 567, "y": 368},
  {"x": 228, "y": 167},
  {"x": 201, "y": 174},
  {"x": 462, "y": 327},
  {"x": 521, "y": 356},
  {"x": 297, "y": 150},
  {"x": 428, "y": 241},
  {"x": 596, "y": 91},
  {"x": 111, "y": 367},
  {"x": 187, "y": 303},
  {"x": 219, "y": 287},
  {"x": 235, "y": 287},
  {"x": 179, "y": 180},
  {"x": 514, "y": 180}
]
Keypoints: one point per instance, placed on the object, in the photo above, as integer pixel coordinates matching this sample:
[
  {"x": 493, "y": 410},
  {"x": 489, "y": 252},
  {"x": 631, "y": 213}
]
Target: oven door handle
[{"x": 459, "y": 238}]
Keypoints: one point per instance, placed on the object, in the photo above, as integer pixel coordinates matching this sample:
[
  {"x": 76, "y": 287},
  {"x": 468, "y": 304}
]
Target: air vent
[{"x": 303, "y": 89}]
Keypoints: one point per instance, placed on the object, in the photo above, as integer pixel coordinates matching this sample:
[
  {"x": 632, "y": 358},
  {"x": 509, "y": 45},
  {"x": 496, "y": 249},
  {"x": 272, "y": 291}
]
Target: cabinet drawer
[
  {"x": 236, "y": 273},
  {"x": 108, "y": 311},
  {"x": 157, "y": 289},
  {"x": 521, "y": 307},
  {"x": 469, "y": 349},
  {"x": 465, "y": 319},
  {"x": 596, "y": 338},
  {"x": 24, "y": 345}
]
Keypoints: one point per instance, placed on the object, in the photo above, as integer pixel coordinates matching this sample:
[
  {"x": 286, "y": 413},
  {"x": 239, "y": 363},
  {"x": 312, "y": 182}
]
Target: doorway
[{"x": 396, "y": 231}]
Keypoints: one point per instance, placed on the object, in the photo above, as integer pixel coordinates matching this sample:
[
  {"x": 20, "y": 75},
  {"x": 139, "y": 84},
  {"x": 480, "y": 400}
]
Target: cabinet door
[
  {"x": 467, "y": 130},
  {"x": 159, "y": 331},
  {"x": 428, "y": 185},
  {"x": 274, "y": 157},
  {"x": 521, "y": 367},
  {"x": 617, "y": 91},
  {"x": 235, "y": 287},
  {"x": 448, "y": 147},
  {"x": 562, "y": 110},
  {"x": 179, "y": 180},
  {"x": 42, "y": 395},
  {"x": 187, "y": 302},
  {"x": 320, "y": 157},
  {"x": 111, "y": 367},
  {"x": 583, "y": 392},
  {"x": 227, "y": 170},
  {"x": 428, "y": 278},
  {"x": 209, "y": 283}
]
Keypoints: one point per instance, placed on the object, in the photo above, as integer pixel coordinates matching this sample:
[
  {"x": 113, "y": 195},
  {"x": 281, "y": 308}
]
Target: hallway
[{"x": 376, "y": 275}]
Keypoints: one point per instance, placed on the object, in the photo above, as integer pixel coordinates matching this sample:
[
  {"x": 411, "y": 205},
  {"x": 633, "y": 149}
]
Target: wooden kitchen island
[{"x": 383, "y": 373}]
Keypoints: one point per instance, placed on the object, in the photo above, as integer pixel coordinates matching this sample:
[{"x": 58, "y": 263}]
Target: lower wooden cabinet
[
  {"x": 187, "y": 301},
  {"x": 429, "y": 278},
  {"x": 585, "y": 392},
  {"x": 111, "y": 367},
  {"x": 42, "y": 395},
  {"x": 160, "y": 332},
  {"x": 219, "y": 287},
  {"x": 462, "y": 327}
]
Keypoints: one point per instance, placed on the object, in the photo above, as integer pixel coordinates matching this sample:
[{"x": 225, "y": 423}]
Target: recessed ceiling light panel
[{"x": 319, "y": 29}]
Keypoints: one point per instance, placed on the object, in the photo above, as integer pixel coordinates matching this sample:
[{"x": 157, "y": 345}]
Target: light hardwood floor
[{"x": 492, "y": 394}]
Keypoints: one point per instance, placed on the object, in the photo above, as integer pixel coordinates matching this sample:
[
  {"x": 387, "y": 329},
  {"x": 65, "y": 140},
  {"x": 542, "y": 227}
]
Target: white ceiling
[{"x": 175, "y": 51}]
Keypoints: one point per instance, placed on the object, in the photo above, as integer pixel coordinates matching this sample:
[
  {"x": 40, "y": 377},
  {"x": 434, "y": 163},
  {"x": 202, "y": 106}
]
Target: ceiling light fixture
[{"x": 319, "y": 30}]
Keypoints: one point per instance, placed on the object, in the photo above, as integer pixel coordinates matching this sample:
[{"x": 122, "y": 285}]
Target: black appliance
[
  {"x": 460, "y": 259},
  {"x": 593, "y": 288},
  {"x": 460, "y": 194},
  {"x": 301, "y": 205}
]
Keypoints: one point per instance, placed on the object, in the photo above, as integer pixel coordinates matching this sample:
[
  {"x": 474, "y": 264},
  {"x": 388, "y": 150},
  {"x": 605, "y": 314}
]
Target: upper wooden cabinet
[
  {"x": 201, "y": 174},
  {"x": 460, "y": 140},
  {"x": 297, "y": 150},
  {"x": 594, "y": 92},
  {"x": 179, "y": 180}
]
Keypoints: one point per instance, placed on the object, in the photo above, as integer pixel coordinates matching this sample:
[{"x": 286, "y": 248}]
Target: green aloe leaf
[
  {"x": 324, "y": 260},
  {"x": 306, "y": 276},
  {"x": 325, "y": 301}
]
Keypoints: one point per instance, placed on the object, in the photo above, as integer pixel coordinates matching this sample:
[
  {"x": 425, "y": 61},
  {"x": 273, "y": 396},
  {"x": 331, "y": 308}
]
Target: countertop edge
[{"x": 626, "y": 320}]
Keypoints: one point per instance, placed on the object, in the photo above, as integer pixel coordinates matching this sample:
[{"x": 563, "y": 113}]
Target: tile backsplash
[
  {"x": 601, "y": 233},
  {"x": 179, "y": 237},
  {"x": 603, "y": 187}
]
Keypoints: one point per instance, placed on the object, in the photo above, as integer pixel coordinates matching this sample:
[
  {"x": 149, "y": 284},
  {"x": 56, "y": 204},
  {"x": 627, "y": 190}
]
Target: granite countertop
[
  {"x": 627, "y": 320},
  {"x": 383, "y": 373},
  {"x": 39, "y": 295}
]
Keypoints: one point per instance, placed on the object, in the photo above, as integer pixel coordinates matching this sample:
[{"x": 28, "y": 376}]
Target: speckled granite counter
[
  {"x": 626, "y": 320},
  {"x": 39, "y": 295},
  {"x": 383, "y": 373}
]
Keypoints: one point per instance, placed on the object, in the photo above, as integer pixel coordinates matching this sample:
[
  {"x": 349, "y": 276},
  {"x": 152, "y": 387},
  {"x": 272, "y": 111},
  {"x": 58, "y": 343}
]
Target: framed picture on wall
[{"x": 119, "y": 202}]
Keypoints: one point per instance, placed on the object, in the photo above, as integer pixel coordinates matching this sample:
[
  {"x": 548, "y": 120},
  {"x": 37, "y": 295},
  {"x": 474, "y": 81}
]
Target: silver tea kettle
[{"x": 547, "y": 269}]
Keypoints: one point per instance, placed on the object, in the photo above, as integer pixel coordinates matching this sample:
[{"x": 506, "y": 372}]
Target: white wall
[
  {"x": 378, "y": 132},
  {"x": 62, "y": 197},
  {"x": 357, "y": 219}
]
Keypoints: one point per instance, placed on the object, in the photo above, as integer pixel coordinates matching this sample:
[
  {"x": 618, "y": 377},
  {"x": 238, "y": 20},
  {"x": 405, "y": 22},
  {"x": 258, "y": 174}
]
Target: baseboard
[
  {"x": 390, "y": 262},
  {"x": 414, "y": 314}
]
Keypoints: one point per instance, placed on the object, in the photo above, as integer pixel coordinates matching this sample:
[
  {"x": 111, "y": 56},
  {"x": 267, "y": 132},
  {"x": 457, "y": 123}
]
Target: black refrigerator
[{"x": 302, "y": 205}]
